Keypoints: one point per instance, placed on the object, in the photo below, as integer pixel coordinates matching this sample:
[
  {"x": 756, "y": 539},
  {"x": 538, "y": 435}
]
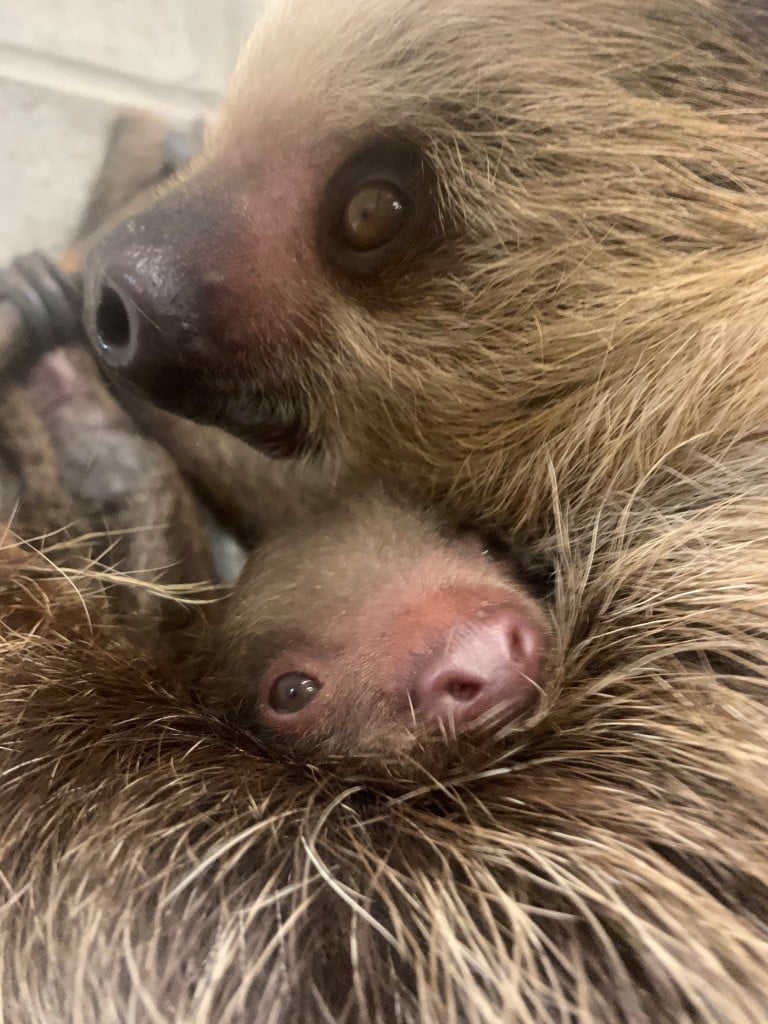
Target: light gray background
[{"x": 66, "y": 66}]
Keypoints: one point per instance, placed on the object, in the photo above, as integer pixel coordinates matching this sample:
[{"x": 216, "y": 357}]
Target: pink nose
[{"x": 489, "y": 664}]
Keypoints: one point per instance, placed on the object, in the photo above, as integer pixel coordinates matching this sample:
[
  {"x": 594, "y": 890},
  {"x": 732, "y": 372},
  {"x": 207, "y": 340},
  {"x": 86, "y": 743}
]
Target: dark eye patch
[
  {"x": 378, "y": 210},
  {"x": 535, "y": 572}
]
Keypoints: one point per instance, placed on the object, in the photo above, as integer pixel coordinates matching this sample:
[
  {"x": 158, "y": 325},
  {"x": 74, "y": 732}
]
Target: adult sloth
[{"x": 510, "y": 257}]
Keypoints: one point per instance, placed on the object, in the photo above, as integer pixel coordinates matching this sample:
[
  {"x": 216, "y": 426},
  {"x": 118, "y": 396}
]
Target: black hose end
[{"x": 48, "y": 300}]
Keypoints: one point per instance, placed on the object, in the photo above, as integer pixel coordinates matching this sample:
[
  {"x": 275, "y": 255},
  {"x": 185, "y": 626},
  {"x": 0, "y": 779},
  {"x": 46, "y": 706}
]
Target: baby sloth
[{"x": 373, "y": 631}]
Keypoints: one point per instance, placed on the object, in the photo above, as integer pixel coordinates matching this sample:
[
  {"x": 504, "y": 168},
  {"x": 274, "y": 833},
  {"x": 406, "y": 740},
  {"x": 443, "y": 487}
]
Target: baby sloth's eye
[
  {"x": 292, "y": 692},
  {"x": 374, "y": 215}
]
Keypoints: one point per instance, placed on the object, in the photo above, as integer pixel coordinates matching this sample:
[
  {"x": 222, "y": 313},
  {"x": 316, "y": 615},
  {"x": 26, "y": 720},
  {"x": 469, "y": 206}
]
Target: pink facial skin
[{"x": 379, "y": 630}]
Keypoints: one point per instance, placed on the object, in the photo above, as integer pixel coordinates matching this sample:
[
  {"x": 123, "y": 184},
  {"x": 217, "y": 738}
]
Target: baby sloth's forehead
[{"x": 354, "y": 555}]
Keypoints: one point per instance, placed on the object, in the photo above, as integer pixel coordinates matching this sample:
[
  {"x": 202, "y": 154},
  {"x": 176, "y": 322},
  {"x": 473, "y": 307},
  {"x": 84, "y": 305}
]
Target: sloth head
[{"x": 431, "y": 245}]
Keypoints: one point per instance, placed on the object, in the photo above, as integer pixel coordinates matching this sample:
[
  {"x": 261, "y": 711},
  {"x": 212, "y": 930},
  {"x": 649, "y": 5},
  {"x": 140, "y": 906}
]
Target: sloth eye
[
  {"x": 495, "y": 549},
  {"x": 292, "y": 692},
  {"x": 374, "y": 215},
  {"x": 378, "y": 211}
]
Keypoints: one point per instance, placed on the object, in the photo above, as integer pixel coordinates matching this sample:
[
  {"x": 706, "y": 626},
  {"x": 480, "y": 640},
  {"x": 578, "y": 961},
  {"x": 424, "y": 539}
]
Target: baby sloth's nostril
[
  {"x": 462, "y": 689},
  {"x": 488, "y": 665}
]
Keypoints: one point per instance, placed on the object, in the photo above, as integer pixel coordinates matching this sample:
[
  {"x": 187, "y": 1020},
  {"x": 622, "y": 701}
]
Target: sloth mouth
[{"x": 274, "y": 425}]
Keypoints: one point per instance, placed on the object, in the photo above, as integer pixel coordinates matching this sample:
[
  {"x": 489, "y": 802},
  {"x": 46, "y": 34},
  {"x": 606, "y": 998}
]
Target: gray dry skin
[
  {"x": 77, "y": 473},
  {"x": 583, "y": 357},
  {"x": 82, "y": 477}
]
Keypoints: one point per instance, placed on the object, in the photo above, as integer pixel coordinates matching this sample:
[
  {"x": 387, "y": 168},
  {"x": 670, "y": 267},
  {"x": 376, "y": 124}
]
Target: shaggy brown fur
[
  {"x": 582, "y": 357},
  {"x": 605, "y": 863}
]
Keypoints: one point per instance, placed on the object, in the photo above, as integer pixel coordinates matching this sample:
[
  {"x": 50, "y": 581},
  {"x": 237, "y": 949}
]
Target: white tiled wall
[{"x": 66, "y": 66}]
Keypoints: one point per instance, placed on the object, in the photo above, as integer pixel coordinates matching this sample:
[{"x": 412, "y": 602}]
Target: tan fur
[
  {"x": 601, "y": 298},
  {"x": 585, "y": 361},
  {"x": 606, "y": 863}
]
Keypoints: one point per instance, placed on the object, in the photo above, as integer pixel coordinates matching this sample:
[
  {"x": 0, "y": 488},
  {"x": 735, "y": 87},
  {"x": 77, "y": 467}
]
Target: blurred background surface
[{"x": 68, "y": 66}]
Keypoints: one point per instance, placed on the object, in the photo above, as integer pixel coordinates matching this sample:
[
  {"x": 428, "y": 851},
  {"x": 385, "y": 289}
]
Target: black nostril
[
  {"x": 114, "y": 327},
  {"x": 463, "y": 690}
]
